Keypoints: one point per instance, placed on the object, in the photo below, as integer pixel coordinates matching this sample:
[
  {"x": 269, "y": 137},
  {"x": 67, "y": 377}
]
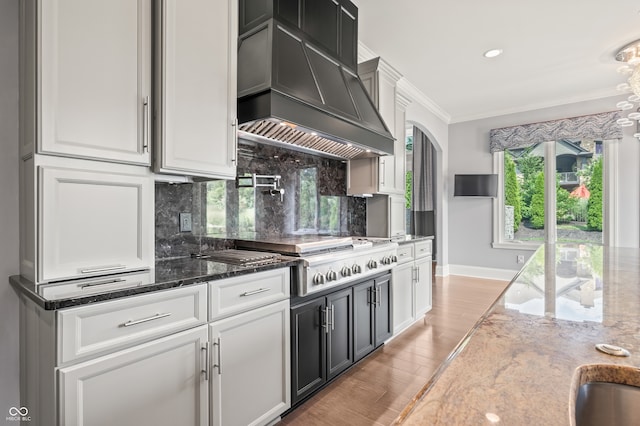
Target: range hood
[{"x": 297, "y": 80}]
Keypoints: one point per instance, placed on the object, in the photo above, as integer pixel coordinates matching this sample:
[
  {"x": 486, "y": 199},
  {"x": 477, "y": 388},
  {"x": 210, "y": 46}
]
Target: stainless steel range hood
[{"x": 292, "y": 90}]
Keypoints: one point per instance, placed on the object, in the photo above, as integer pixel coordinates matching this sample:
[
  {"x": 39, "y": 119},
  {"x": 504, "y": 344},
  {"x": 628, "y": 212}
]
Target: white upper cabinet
[
  {"x": 380, "y": 175},
  {"x": 196, "y": 89},
  {"x": 87, "y": 69},
  {"x": 93, "y": 218}
]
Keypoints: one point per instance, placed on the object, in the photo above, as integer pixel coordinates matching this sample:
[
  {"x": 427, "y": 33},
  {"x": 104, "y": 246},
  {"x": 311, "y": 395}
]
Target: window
[
  {"x": 531, "y": 209},
  {"x": 308, "y": 205},
  {"x": 316, "y": 213},
  {"x": 219, "y": 197}
]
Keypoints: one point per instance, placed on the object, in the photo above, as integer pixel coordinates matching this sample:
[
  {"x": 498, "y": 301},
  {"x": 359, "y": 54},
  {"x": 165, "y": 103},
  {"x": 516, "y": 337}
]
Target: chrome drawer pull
[
  {"x": 219, "y": 364},
  {"x": 251, "y": 293},
  {"x": 140, "y": 321},
  {"x": 93, "y": 284},
  {"x": 105, "y": 269},
  {"x": 205, "y": 348}
]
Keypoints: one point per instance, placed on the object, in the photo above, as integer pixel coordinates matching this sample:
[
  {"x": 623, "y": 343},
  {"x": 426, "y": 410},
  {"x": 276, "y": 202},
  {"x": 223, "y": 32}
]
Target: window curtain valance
[{"x": 600, "y": 126}]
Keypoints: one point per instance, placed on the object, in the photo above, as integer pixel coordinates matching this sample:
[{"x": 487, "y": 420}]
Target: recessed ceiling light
[{"x": 492, "y": 53}]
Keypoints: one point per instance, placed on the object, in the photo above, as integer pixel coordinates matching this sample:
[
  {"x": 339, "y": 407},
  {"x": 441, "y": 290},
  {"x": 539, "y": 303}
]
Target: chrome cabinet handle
[
  {"x": 234, "y": 154},
  {"x": 333, "y": 317},
  {"x": 325, "y": 324},
  {"x": 96, "y": 283},
  {"x": 418, "y": 273},
  {"x": 205, "y": 348},
  {"x": 143, "y": 320},
  {"x": 378, "y": 296},
  {"x": 145, "y": 124},
  {"x": 219, "y": 364},
  {"x": 251, "y": 293},
  {"x": 104, "y": 269},
  {"x": 381, "y": 170}
]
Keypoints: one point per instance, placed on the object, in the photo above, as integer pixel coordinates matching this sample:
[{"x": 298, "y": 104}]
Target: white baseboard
[
  {"x": 442, "y": 271},
  {"x": 479, "y": 272}
]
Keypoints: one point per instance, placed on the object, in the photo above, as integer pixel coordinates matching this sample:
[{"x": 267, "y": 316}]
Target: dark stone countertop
[
  {"x": 517, "y": 365},
  {"x": 168, "y": 273}
]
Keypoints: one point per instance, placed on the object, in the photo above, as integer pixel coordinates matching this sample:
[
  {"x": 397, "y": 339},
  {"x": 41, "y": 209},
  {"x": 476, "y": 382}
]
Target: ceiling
[{"x": 555, "y": 52}]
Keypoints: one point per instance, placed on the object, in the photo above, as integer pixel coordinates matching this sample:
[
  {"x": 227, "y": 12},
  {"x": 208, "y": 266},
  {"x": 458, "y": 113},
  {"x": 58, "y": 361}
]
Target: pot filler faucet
[{"x": 272, "y": 182}]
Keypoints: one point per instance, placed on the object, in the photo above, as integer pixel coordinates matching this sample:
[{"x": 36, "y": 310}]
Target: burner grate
[{"x": 244, "y": 257}]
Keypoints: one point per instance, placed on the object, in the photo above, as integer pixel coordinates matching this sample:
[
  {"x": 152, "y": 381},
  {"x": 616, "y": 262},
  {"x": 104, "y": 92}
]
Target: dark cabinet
[
  {"x": 363, "y": 321},
  {"x": 308, "y": 348},
  {"x": 372, "y": 320},
  {"x": 322, "y": 342},
  {"x": 330, "y": 333},
  {"x": 340, "y": 327},
  {"x": 383, "y": 315}
]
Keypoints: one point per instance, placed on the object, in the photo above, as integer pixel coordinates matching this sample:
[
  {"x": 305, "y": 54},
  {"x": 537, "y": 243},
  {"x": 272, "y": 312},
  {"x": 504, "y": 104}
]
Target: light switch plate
[{"x": 185, "y": 222}]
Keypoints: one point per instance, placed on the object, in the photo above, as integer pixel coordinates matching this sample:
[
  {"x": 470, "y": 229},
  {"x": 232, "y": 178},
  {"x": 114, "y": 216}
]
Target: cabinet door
[
  {"x": 157, "y": 383},
  {"x": 422, "y": 298},
  {"x": 339, "y": 338},
  {"x": 403, "y": 283},
  {"x": 308, "y": 348},
  {"x": 95, "y": 76},
  {"x": 250, "y": 366},
  {"x": 196, "y": 62},
  {"x": 397, "y": 215},
  {"x": 383, "y": 310},
  {"x": 363, "y": 322},
  {"x": 387, "y": 174},
  {"x": 94, "y": 222}
]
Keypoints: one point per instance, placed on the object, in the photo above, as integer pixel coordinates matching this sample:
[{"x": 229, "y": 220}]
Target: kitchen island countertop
[{"x": 516, "y": 365}]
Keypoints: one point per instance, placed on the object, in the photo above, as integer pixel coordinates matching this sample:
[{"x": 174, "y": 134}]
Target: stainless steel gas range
[{"x": 327, "y": 261}]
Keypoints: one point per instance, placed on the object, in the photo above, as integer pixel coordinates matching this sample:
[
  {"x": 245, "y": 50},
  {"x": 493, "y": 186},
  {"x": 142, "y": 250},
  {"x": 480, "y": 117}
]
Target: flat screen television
[{"x": 476, "y": 186}]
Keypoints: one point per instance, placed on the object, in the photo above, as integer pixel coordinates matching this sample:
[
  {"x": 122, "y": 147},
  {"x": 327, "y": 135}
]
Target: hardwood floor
[{"x": 376, "y": 390}]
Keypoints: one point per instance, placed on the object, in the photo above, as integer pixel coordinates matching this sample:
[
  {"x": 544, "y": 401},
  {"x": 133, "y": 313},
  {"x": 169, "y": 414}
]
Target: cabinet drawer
[
  {"x": 239, "y": 294},
  {"x": 423, "y": 248},
  {"x": 405, "y": 253},
  {"x": 103, "y": 327},
  {"x": 83, "y": 288}
]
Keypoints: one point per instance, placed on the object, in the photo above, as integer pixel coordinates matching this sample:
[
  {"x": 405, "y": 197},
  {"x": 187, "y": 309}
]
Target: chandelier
[{"x": 630, "y": 56}]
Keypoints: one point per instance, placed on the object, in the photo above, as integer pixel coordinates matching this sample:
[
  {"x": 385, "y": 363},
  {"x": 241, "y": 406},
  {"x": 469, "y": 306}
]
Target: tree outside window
[{"x": 578, "y": 192}]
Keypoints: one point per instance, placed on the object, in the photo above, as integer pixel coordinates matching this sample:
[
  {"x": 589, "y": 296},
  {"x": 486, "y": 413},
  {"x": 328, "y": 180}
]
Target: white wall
[
  {"x": 470, "y": 220},
  {"x": 9, "y": 264}
]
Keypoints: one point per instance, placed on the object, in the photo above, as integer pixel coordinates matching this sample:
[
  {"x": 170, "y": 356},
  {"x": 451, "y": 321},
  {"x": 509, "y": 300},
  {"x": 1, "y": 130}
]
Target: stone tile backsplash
[{"x": 325, "y": 186}]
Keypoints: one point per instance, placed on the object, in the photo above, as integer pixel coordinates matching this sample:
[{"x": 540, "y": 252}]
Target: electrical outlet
[
  {"x": 185, "y": 222},
  {"x": 520, "y": 259}
]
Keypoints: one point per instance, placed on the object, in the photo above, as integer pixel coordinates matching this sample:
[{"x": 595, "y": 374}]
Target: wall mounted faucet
[{"x": 272, "y": 182}]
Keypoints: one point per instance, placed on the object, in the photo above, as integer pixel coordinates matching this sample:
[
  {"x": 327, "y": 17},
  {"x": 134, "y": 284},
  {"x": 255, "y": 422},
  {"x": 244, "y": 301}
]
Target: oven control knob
[
  {"x": 386, "y": 260},
  {"x": 332, "y": 276},
  {"x": 346, "y": 271},
  {"x": 319, "y": 278},
  {"x": 372, "y": 264},
  {"x": 356, "y": 269},
  {"x": 394, "y": 258}
]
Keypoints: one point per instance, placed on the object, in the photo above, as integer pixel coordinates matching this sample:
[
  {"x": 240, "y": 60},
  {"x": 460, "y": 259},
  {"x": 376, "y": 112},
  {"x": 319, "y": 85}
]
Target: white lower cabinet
[
  {"x": 157, "y": 359},
  {"x": 250, "y": 366},
  {"x": 422, "y": 299},
  {"x": 162, "y": 382},
  {"x": 403, "y": 312},
  {"x": 412, "y": 284}
]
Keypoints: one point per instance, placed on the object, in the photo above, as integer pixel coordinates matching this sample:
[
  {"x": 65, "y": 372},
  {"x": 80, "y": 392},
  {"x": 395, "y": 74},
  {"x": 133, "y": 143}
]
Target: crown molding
[{"x": 406, "y": 88}]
